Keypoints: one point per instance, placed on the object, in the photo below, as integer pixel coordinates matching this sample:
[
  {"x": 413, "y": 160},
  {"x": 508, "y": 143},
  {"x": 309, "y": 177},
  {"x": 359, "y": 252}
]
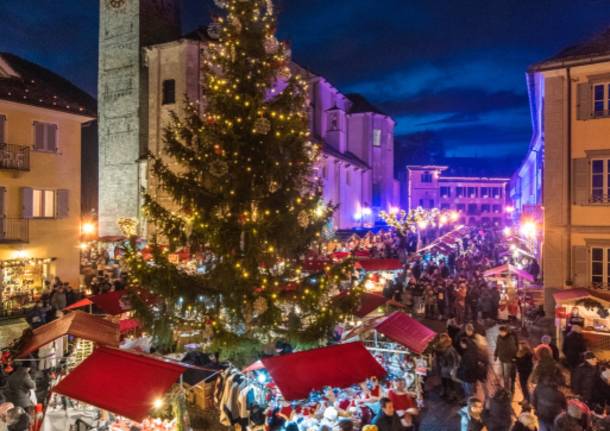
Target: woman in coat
[
  {"x": 525, "y": 364},
  {"x": 19, "y": 387}
]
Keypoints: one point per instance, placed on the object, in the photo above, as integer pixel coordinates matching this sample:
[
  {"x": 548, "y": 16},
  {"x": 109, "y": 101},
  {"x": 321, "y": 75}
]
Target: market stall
[
  {"x": 591, "y": 307},
  {"x": 22, "y": 282}
]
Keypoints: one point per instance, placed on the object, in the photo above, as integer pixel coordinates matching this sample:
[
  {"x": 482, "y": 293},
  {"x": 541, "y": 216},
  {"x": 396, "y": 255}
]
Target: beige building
[
  {"x": 570, "y": 98},
  {"x": 41, "y": 116}
]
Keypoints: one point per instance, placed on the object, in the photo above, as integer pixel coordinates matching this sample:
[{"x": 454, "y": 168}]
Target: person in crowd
[
  {"x": 58, "y": 299},
  {"x": 344, "y": 425},
  {"x": 574, "y": 346},
  {"x": 525, "y": 422},
  {"x": 4, "y": 409},
  {"x": 448, "y": 361},
  {"x": 574, "y": 418},
  {"x": 525, "y": 364},
  {"x": 71, "y": 295},
  {"x": 575, "y": 319},
  {"x": 549, "y": 402},
  {"x": 585, "y": 378},
  {"x": 469, "y": 371},
  {"x": 36, "y": 316},
  {"x": 17, "y": 419},
  {"x": 546, "y": 369},
  {"x": 601, "y": 393},
  {"x": 387, "y": 419},
  {"x": 19, "y": 387},
  {"x": 472, "y": 416},
  {"x": 548, "y": 340},
  {"x": 499, "y": 413},
  {"x": 506, "y": 352}
]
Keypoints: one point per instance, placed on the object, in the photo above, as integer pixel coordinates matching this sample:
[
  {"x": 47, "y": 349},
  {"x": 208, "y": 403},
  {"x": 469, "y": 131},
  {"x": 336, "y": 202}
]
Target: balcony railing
[
  {"x": 14, "y": 230},
  {"x": 14, "y": 157}
]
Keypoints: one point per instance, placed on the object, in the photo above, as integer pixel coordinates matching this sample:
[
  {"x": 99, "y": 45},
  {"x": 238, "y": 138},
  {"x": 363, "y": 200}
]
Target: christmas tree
[{"x": 239, "y": 169}]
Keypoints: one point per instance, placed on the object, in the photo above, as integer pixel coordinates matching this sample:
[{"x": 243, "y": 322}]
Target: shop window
[
  {"x": 426, "y": 177},
  {"x": 45, "y": 137},
  {"x": 169, "y": 91}
]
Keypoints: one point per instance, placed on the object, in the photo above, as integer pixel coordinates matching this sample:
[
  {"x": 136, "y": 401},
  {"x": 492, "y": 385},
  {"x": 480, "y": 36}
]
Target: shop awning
[
  {"x": 127, "y": 325},
  {"x": 122, "y": 382},
  {"x": 368, "y": 303},
  {"x": 569, "y": 295},
  {"x": 112, "y": 302},
  {"x": 342, "y": 365},
  {"x": 370, "y": 265},
  {"x": 508, "y": 269},
  {"x": 407, "y": 331},
  {"x": 79, "y": 304},
  {"x": 77, "y": 324}
]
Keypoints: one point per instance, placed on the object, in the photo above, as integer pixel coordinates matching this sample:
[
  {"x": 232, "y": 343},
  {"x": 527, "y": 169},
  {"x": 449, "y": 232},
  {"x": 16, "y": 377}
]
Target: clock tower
[{"x": 126, "y": 26}]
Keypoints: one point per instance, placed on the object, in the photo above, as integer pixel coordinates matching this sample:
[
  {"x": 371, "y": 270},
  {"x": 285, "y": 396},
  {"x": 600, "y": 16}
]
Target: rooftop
[
  {"x": 347, "y": 156},
  {"x": 24, "y": 82},
  {"x": 584, "y": 52},
  {"x": 360, "y": 105}
]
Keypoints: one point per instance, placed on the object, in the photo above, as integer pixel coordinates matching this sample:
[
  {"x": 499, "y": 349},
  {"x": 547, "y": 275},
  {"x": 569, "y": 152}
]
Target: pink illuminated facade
[{"x": 479, "y": 200}]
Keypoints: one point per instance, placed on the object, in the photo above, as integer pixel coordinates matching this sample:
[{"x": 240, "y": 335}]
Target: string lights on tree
[{"x": 240, "y": 179}]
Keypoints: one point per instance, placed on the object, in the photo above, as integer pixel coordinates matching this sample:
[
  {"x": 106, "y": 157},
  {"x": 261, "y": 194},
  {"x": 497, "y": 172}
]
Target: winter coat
[
  {"x": 448, "y": 362},
  {"x": 499, "y": 414},
  {"x": 524, "y": 364},
  {"x": 387, "y": 423},
  {"x": 584, "y": 380},
  {"x": 573, "y": 347},
  {"x": 18, "y": 388},
  {"x": 58, "y": 300},
  {"x": 565, "y": 422},
  {"x": 470, "y": 365},
  {"x": 506, "y": 348},
  {"x": 467, "y": 423},
  {"x": 548, "y": 402}
]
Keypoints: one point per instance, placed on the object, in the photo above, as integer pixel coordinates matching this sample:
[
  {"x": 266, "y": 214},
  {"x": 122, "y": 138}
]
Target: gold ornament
[
  {"x": 271, "y": 45},
  {"x": 274, "y": 186},
  {"x": 219, "y": 168},
  {"x": 303, "y": 219},
  {"x": 262, "y": 126},
  {"x": 128, "y": 226},
  {"x": 285, "y": 73},
  {"x": 260, "y": 306}
]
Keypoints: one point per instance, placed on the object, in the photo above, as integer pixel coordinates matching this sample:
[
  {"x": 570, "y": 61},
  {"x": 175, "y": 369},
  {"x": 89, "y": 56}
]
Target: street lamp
[{"x": 88, "y": 228}]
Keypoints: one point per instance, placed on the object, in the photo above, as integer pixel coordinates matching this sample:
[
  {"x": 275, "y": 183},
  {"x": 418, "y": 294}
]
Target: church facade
[{"x": 146, "y": 71}]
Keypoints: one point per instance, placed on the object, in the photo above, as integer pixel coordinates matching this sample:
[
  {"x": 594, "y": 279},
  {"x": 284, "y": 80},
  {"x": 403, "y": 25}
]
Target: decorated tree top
[{"x": 238, "y": 168}]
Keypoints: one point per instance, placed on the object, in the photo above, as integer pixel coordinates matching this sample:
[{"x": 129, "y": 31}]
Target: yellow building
[
  {"x": 570, "y": 99},
  {"x": 41, "y": 116}
]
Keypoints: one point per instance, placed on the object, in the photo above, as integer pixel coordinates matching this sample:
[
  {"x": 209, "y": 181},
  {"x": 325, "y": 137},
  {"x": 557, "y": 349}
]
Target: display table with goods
[
  {"x": 21, "y": 283},
  {"x": 588, "y": 308}
]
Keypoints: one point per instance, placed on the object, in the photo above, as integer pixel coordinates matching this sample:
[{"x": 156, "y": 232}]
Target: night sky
[{"x": 450, "y": 72}]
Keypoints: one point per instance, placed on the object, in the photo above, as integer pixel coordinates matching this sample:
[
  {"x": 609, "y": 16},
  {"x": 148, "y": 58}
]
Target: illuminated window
[
  {"x": 377, "y": 137},
  {"x": 43, "y": 203}
]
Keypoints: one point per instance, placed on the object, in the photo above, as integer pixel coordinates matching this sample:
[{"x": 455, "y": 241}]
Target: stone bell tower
[{"x": 126, "y": 26}]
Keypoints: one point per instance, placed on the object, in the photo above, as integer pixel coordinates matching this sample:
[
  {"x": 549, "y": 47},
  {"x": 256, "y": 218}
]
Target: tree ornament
[
  {"x": 260, "y": 306},
  {"x": 274, "y": 186},
  {"x": 262, "y": 126},
  {"x": 303, "y": 219},
  {"x": 214, "y": 30},
  {"x": 235, "y": 23},
  {"x": 219, "y": 168},
  {"x": 285, "y": 73},
  {"x": 128, "y": 226},
  {"x": 271, "y": 45}
]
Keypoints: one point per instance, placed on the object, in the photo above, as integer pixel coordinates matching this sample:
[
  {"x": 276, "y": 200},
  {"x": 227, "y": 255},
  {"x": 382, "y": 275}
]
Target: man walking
[{"x": 506, "y": 352}]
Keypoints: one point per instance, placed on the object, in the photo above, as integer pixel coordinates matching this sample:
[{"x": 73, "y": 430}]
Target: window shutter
[
  {"x": 584, "y": 102},
  {"x": 2, "y": 202},
  {"x": 39, "y": 130},
  {"x": 580, "y": 266},
  {"x": 51, "y": 137},
  {"x": 27, "y": 201},
  {"x": 62, "y": 204},
  {"x": 581, "y": 178},
  {"x": 2, "y": 129}
]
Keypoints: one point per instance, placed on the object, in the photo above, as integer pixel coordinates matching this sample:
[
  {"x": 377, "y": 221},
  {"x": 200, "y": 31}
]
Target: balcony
[
  {"x": 14, "y": 157},
  {"x": 14, "y": 230}
]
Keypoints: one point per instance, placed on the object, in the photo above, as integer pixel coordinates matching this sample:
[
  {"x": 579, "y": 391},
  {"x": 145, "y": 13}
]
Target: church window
[{"x": 169, "y": 91}]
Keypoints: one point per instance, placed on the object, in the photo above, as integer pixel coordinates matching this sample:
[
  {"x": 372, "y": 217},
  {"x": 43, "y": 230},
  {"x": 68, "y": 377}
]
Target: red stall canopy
[
  {"x": 508, "y": 270},
  {"x": 77, "y": 324},
  {"x": 297, "y": 374},
  {"x": 368, "y": 303},
  {"x": 112, "y": 302},
  {"x": 127, "y": 325},
  {"x": 122, "y": 382},
  {"x": 79, "y": 304},
  {"x": 407, "y": 331},
  {"x": 379, "y": 264},
  {"x": 580, "y": 293}
]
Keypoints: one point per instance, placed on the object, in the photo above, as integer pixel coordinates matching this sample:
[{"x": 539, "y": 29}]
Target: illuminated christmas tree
[{"x": 238, "y": 167}]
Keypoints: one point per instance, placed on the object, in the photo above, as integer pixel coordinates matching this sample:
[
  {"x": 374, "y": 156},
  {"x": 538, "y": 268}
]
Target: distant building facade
[
  {"x": 356, "y": 167},
  {"x": 571, "y": 92},
  {"x": 479, "y": 200},
  {"x": 41, "y": 121}
]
